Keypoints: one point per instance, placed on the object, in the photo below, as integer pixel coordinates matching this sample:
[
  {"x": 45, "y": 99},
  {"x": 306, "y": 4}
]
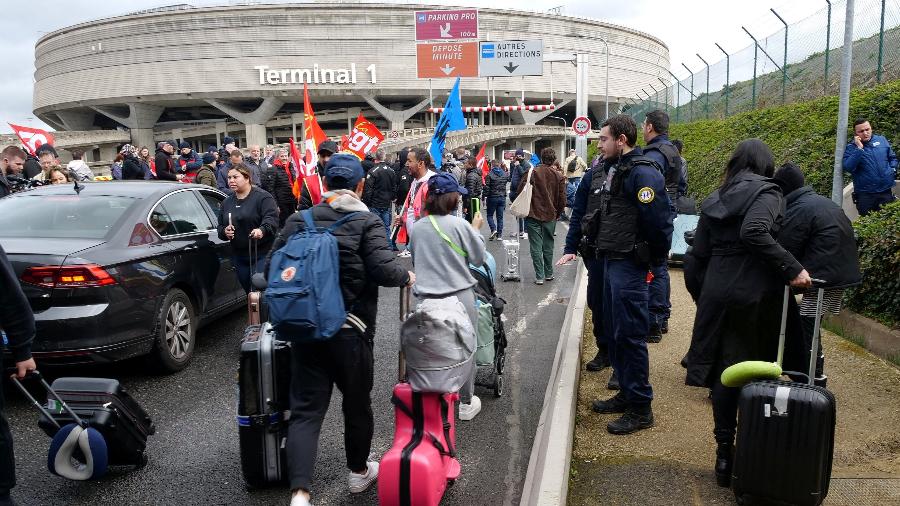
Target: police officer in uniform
[
  {"x": 663, "y": 152},
  {"x": 623, "y": 222}
]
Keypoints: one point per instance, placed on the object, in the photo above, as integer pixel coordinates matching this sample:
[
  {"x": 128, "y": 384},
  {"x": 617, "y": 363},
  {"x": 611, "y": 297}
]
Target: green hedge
[
  {"x": 879, "y": 258},
  {"x": 803, "y": 133}
]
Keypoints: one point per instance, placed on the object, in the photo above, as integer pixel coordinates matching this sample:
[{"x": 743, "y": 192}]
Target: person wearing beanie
[
  {"x": 189, "y": 161},
  {"x": 206, "y": 174},
  {"x": 346, "y": 359},
  {"x": 817, "y": 232}
]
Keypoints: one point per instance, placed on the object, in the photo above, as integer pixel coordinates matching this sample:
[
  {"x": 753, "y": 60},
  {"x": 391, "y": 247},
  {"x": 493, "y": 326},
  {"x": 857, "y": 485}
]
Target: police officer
[
  {"x": 623, "y": 222},
  {"x": 663, "y": 152}
]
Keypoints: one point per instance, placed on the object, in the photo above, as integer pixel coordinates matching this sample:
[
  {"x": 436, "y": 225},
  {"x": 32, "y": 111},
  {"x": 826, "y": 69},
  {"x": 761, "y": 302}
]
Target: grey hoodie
[{"x": 440, "y": 270}]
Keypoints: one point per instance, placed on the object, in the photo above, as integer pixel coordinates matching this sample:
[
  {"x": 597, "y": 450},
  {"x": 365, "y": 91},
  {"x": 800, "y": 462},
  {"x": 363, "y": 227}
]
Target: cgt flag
[
  {"x": 364, "y": 138},
  {"x": 482, "y": 163},
  {"x": 313, "y": 134},
  {"x": 312, "y": 182},
  {"x": 32, "y": 138},
  {"x": 451, "y": 120}
]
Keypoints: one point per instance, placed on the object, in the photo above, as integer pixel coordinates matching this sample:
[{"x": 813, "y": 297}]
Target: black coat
[
  {"x": 472, "y": 182},
  {"x": 495, "y": 183},
  {"x": 256, "y": 210},
  {"x": 165, "y": 166},
  {"x": 404, "y": 180},
  {"x": 132, "y": 168},
  {"x": 381, "y": 187},
  {"x": 737, "y": 273},
  {"x": 366, "y": 261},
  {"x": 281, "y": 187},
  {"x": 31, "y": 167},
  {"x": 819, "y": 235}
]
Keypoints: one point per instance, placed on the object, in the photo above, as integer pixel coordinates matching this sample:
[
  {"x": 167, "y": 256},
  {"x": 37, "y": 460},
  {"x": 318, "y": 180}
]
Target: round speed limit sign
[{"x": 581, "y": 125}]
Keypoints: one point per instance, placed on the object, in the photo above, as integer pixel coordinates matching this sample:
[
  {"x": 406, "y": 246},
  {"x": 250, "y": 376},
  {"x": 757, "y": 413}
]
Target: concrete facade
[{"x": 180, "y": 68}]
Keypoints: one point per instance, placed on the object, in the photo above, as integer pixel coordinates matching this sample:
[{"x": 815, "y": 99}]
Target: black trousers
[
  {"x": 7, "y": 459},
  {"x": 346, "y": 361},
  {"x": 725, "y": 408}
]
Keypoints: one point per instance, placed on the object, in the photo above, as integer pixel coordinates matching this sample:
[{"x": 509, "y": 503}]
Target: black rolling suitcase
[
  {"x": 264, "y": 380},
  {"x": 106, "y": 406},
  {"x": 785, "y": 437}
]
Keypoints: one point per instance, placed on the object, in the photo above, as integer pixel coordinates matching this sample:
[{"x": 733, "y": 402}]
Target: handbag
[{"x": 521, "y": 207}]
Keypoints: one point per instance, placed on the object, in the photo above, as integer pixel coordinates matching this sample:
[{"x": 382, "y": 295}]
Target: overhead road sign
[
  {"x": 446, "y": 59},
  {"x": 447, "y": 24},
  {"x": 505, "y": 58}
]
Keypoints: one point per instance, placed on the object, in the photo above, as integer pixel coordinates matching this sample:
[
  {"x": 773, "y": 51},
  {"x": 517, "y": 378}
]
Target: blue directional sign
[{"x": 505, "y": 58}]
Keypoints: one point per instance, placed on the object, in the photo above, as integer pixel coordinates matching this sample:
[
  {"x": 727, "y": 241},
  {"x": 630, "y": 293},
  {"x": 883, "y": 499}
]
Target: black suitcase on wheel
[
  {"x": 106, "y": 406},
  {"x": 264, "y": 380},
  {"x": 785, "y": 438}
]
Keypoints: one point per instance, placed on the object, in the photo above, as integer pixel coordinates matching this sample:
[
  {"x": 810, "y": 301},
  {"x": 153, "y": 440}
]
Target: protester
[
  {"x": 189, "y": 161},
  {"x": 33, "y": 165},
  {"x": 256, "y": 164},
  {"x": 247, "y": 215},
  {"x": 228, "y": 145},
  {"x": 442, "y": 248},
  {"x": 270, "y": 154},
  {"x": 12, "y": 163},
  {"x": 148, "y": 165},
  {"x": 817, "y": 232},
  {"x": 115, "y": 170},
  {"x": 282, "y": 179},
  {"x": 47, "y": 160},
  {"x": 164, "y": 163},
  {"x": 380, "y": 190},
  {"x": 206, "y": 174},
  {"x": 873, "y": 165},
  {"x": 131, "y": 165},
  {"x": 57, "y": 175},
  {"x": 403, "y": 184},
  {"x": 622, "y": 223},
  {"x": 17, "y": 322},
  {"x": 518, "y": 169},
  {"x": 548, "y": 199},
  {"x": 495, "y": 194},
  {"x": 418, "y": 162},
  {"x": 346, "y": 359},
  {"x": 473, "y": 184},
  {"x": 77, "y": 165},
  {"x": 575, "y": 167},
  {"x": 737, "y": 275}
]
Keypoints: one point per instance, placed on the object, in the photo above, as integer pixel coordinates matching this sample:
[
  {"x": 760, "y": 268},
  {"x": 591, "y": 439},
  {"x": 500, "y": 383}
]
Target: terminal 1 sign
[{"x": 313, "y": 75}]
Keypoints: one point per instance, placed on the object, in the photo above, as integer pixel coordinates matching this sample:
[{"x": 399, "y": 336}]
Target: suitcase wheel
[{"x": 498, "y": 386}]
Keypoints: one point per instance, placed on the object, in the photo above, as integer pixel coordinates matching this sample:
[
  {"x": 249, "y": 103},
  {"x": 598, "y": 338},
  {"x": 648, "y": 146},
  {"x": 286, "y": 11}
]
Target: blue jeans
[
  {"x": 385, "y": 215},
  {"x": 496, "y": 206},
  {"x": 660, "y": 306},
  {"x": 245, "y": 271}
]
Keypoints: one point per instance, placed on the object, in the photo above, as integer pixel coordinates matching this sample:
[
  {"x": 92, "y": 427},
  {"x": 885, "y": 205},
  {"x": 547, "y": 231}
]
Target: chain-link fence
[{"x": 799, "y": 62}]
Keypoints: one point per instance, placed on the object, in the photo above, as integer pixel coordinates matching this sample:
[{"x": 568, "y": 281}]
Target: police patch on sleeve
[{"x": 646, "y": 195}]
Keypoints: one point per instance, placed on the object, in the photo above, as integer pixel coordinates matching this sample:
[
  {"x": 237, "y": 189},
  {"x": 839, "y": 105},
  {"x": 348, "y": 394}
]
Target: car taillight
[{"x": 67, "y": 276}]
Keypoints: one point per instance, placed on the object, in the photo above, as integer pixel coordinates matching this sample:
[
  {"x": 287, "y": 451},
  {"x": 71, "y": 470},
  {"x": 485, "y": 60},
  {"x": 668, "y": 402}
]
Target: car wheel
[{"x": 176, "y": 332}]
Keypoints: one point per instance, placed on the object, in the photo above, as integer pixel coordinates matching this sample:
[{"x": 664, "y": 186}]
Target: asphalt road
[{"x": 193, "y": 458}]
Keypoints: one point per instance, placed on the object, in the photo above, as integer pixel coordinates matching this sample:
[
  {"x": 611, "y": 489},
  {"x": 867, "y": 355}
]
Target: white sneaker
[
  {"x": 360, "y": 482},
  {"x": 300, "y": 500},
  {"x": 523, "y": 235},
  {"x": 404, "y": 254},
  {"x": 468, "y": 411}
]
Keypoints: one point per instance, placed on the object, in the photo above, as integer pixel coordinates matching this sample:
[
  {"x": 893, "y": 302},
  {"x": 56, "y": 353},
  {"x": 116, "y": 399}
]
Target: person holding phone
[
  {"x": 249, "y": 214},
  {"x": 873, "y": 165},
  {"x": 473, "y": 184}
]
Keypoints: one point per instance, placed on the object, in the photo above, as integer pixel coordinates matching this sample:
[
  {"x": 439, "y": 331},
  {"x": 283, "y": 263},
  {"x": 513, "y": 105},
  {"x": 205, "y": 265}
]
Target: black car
[{"x": 120, "y": 269}]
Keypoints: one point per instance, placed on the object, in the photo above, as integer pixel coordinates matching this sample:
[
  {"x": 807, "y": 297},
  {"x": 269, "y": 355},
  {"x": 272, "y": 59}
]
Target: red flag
[
  {"x": 313, "y": 182},
  {"x": 482, "y": 162},
  {"x": 313, "y": 134},
  {"x": 364, "y": 138},
  {"x": 32, "y": 138}
]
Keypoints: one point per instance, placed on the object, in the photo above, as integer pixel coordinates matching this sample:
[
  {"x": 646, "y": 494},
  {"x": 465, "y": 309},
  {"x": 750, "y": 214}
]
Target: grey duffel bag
[{"x": 438, "y": 342}]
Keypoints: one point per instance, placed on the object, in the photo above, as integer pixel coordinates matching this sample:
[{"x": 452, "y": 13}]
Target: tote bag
[{"x": 521, "y": 207}]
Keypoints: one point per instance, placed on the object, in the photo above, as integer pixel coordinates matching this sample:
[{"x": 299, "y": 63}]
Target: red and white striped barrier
[{"x": 499, "y": 108}]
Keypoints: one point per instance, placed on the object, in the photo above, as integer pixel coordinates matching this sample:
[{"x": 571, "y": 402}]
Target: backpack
[
  {"x": 572, "y": 165},
  {"x": 304, "y": 293}
]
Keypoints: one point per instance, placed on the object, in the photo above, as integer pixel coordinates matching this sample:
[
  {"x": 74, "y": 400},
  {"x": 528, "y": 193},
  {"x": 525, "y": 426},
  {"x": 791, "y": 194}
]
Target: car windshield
[{"x": 62, "y": 216}]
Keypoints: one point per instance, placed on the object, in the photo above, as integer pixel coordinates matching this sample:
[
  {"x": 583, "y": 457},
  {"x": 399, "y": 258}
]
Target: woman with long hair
[{"x": 736, "y": 272}]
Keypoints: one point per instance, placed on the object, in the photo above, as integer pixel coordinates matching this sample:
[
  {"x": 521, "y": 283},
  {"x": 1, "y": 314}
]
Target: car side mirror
[{"x": 259, "y": 282}]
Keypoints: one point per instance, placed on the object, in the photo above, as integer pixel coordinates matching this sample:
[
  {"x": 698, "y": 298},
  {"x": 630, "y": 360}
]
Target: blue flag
[{"x": 451, "y": 120}]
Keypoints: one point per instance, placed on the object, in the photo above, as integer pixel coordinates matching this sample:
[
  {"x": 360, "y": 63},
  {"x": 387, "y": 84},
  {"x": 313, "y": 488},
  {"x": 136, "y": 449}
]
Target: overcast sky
[{"x": 686, "y": 26}]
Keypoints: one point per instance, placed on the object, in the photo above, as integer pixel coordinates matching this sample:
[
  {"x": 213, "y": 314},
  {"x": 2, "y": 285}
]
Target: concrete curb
[
  {"x": 877, "y": 338},
  {"x": 547, "y": 479}
]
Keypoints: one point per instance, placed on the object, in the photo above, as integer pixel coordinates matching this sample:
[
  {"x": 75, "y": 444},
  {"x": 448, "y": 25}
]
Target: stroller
[{"x": 491, "y": 350}]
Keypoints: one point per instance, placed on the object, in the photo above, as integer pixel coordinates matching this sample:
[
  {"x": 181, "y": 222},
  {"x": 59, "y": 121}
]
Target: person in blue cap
[
  {"x": 345, "y": 360},
  {"x": 622, "y": 224},
  {"x": 442, "y": 246}
]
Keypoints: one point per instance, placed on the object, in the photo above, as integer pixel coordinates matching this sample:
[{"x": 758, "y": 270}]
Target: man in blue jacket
[{"x": 873, "y": 165}]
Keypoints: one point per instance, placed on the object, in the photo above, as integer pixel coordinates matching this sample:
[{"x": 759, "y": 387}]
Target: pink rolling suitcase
[{"x": 421, "y": 462}]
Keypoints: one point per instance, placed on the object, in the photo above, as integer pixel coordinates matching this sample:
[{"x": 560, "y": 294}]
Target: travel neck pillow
[{"x": 61, "y": 459}]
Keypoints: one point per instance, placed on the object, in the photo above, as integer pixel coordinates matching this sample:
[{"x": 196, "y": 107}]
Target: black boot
[
  {"x": 635, "y": 418},
  {"x": 613, "y": 383},
  {"x": 664, "y": 327},
  {"x": 684, "y": 362},
  {"x": 599, "y": 362},
  {"x": 724, "y": 459},
  {"x": 616, "y": 404},
  {"x": 655, "y": 335}
]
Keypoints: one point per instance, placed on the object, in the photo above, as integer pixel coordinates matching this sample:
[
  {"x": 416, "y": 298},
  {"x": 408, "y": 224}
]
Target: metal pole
[
  {"x": 880, "y": 45},
  {"x": 677, "y": 96},
  {"x": 837, "y": 186},
  {"x": 606, "y": 100},
  {"x": 727, "y": 76},
  {"x": 784, "y": 65},
  {"x": 755, "y": 55},
  {"x": 827, "y": 45},
  {"x": 655, "y": 95},
  {"x": 665, "y": 87},
  {"x": 692, "y": 91},
  {"x": 565, "y": 130},
  {"x": 707, "y": 84},
  {"x": 581, "y": 99}
]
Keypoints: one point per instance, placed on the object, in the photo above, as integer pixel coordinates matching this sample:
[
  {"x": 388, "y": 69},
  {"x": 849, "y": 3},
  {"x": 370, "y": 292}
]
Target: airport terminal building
[{"x": 199, "y": 73}]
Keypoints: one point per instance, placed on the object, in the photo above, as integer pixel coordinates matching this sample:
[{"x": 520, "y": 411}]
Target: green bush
[
  {"x": 879, "y": 259},
  {"x": 803, "y": 133}
]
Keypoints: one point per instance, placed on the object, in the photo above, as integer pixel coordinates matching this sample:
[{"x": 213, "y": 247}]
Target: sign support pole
[{"x": 581, "y": 100}]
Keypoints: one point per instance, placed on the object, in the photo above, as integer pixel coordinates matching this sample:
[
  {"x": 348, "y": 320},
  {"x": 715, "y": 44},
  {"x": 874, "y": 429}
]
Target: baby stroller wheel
[
  {"x": 501, "y": 362},
  {"x": 498, "y": 386}
]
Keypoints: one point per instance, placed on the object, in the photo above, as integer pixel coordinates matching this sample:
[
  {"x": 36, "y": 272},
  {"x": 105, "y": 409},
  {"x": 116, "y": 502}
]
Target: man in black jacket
[
  {"x": 12, "y": 159},
  {"x": 164, "y": 163},
  {"x": 345, "y": 359},
  {"x": 281, "y": 181},
  {"x": 17, "y": 321},
  {"x": 381, "y": 189},
  {"x": 817, "y": 232},
  {"x": 473, "y": 183}
]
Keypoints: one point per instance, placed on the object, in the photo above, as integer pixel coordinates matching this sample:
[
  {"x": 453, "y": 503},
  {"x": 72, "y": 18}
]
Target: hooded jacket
[
  {"x": 495, "y": 183},
  {"x": 366, "y": 261},
  {"x": 189, "y": 162},
  {"x": 165, "y": 166},
  {"x": 381, "y": 187},
  {"x": 132, "y": 169},
  {"x": 404, "y": 180}
]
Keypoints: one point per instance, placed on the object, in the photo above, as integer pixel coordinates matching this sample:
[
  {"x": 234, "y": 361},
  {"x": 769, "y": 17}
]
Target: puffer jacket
[
  {"x": 282, "y": 189},
  {"x": 495, "y": 183},
  {"x": 366, "y": 261},
  {"x": 472, "y": 183}
]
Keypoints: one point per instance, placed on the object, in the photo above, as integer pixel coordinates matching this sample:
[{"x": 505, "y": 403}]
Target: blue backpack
[{"x": 304, "y": 292}]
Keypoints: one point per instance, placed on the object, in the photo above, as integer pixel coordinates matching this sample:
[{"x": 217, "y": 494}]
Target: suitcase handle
[
  {"x": 37, "y": 375},
  {"x": 405, "y": 296},
  {"x": 820, "y": 295}
]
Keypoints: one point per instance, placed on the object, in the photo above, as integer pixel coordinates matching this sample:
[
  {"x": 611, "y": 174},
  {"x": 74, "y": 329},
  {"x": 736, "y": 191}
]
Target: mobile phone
[{"x": 476, "y": 206}]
